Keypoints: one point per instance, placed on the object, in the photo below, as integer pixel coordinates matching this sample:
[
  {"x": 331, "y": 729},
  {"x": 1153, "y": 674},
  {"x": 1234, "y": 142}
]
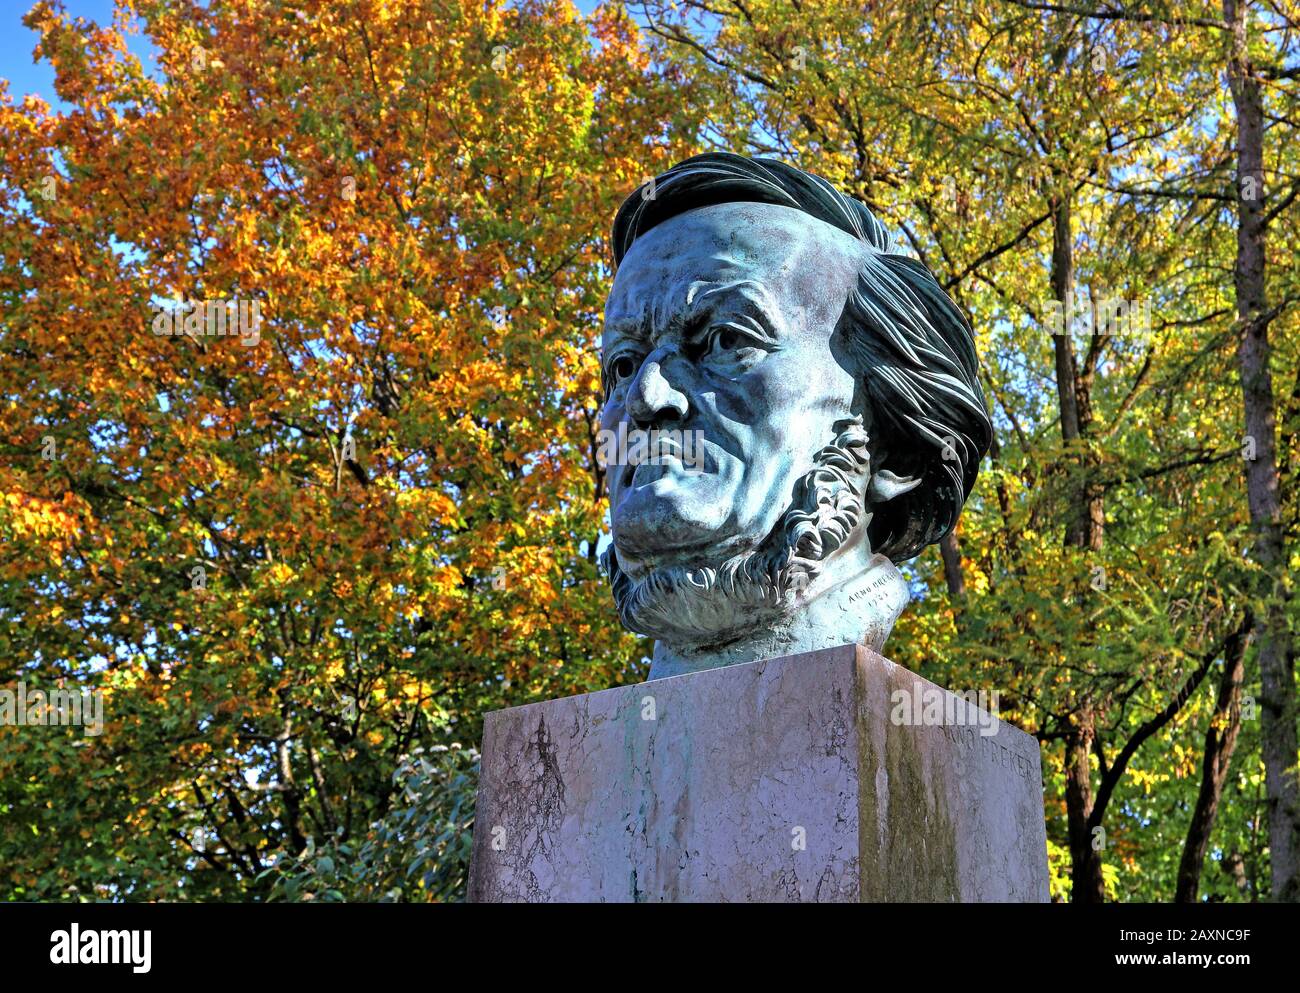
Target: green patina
[{"x": 917, "y": 860}]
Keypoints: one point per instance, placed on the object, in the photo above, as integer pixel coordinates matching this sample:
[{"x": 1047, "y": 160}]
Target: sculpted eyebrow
[
  {"x": 746, "y": 304},
  {"x": 667, "y": 313},
  {"x": 693, "y": 309},
  {"x": 628, "y": 327}
]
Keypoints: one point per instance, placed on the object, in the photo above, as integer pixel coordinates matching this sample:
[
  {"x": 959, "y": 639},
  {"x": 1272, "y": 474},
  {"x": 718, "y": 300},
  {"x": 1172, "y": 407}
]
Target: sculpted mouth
[
  {"x": 627, "y": 477},
  {"x": 667, "y": 452}
]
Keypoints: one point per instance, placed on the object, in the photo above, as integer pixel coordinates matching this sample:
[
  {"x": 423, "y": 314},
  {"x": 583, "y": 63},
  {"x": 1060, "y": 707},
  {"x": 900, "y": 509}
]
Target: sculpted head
[{"x": 813, "y": 404}]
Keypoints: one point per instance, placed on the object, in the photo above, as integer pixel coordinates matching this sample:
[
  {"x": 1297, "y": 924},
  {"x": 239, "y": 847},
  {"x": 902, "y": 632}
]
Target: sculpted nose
[{"x": 651, "y": 396}]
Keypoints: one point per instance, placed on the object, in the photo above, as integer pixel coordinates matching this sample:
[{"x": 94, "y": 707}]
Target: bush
[{"x": 417, "y": 853}]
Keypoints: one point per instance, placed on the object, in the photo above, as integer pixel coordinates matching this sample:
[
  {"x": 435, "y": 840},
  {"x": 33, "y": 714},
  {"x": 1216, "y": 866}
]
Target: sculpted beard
[{"x": 699, "y": 605}]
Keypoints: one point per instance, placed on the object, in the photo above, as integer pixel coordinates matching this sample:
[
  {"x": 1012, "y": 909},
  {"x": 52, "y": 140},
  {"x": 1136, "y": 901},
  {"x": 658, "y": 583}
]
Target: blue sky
[{"x": 17, "y": 42}]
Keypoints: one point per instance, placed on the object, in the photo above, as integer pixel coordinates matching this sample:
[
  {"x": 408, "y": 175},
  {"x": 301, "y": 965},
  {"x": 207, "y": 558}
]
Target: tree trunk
[
  {"x": 1278, "y": 731},
  {"x": 1220, "y": 742},
  {"x": 1087, "y": 524},
  {"x": 952, "y": 570},
  {"x": 1085, "y": 860},
  {"x": 1086, "y": 885},
  {"x": 1234, "y": 867},
  {"x": 1063, "y": 291}
]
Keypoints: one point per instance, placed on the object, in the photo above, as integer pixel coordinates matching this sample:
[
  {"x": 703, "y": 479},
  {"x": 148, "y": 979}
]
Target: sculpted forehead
[{"x": 784, "y": 249}]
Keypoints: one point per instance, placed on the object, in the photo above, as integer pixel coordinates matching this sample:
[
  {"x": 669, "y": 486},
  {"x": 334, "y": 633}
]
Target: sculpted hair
[{"x": 914, "y": 347}]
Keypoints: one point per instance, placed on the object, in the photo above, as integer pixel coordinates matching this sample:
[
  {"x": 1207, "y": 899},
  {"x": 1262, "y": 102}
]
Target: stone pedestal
[{"x": 830, "y": 776}]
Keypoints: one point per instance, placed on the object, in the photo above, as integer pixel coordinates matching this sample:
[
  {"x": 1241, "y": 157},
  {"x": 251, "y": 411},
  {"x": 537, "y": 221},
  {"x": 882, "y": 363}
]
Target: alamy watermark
[
  {"x": 653, "y": 447},
  {"x": 931, "y": 706},
  {"x": 1087, "y": 314},
  {"x": 22, "y": 707},
  {"x": 102, "y": 947},
  {"x": 221, "y": 318}
]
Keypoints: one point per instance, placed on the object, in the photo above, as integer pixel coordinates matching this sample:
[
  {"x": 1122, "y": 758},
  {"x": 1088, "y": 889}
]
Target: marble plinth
[{"x": 815, "y": 777}]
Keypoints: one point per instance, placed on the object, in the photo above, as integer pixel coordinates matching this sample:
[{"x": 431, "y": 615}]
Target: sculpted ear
[{"x": 885, "y": 486}]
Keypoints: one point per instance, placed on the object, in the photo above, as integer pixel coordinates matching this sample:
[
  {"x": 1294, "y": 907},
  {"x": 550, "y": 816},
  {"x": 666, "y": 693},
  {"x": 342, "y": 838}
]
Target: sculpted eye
[
  {"x": 731, "y": 343},
  {"x": 621, "y": 368},
  {"x": 728, "y": 339}
]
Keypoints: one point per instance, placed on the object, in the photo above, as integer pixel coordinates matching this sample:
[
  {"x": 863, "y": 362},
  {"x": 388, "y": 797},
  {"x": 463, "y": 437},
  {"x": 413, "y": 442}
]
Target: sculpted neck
[{"x": 852, "y": 602}]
